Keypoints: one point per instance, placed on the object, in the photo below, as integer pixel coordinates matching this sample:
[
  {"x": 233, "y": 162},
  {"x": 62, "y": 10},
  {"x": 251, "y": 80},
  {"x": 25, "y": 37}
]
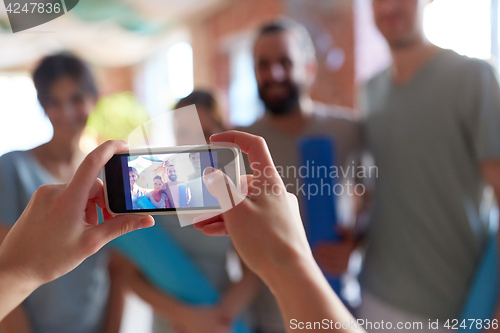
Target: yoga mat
[
  {"x": 483, "y": 296},
  {"x": 169, "y": 269},
  {"x": 144, "y": 203},
  {"x": 182, "y": 196},
  {"x": 320, "y": 210}
]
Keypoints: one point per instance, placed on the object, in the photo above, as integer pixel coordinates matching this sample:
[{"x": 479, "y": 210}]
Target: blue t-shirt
[{"x": 75, "y": 302}]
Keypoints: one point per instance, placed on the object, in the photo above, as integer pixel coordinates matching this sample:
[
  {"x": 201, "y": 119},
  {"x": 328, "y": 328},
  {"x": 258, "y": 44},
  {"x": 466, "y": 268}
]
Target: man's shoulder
[
  {"x": 12, "y": 155},
  {"x": 464, "y": 66},
  {"x": 12, "y": 159},
  {"x": 259, "y": 127},
  {"x": 343, "y": 123},
  {"x": 334, "y": 114}
]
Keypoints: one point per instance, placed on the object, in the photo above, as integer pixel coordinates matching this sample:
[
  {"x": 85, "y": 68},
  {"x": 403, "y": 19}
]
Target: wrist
[
  {"x": 15, "y": 287},
  {"x": 298, "y": 265}
]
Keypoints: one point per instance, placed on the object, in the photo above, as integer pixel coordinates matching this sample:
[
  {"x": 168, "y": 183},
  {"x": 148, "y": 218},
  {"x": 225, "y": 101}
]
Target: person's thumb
[
  {"x": 222, "y": 188},
  {"x": 120, "y": 225}
]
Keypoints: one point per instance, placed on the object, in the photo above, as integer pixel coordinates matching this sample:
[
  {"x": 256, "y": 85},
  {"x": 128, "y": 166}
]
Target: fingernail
[
  {"x": 208, "y": 171},
  {"x": 125, "y": 142},
  {"x": 145, "y": 223}
]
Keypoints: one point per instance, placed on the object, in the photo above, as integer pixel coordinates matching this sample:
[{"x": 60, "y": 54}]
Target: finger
[
  {"x": 253, "y": 145},
  {"x": 222, "y": 188},
  {"x": 120, "y": 225},
  {"x": 203, "y": 220},
  {"x": 97, "y": 194},
  {"x": 293, "y": 201},
  {"x": 246, "y": 184},
  {"x": 87, "y": 172},
  {"x": 215, "y": 229},
  {"x": 106, "y": 215},
  {"x": 91, "y": 212}
]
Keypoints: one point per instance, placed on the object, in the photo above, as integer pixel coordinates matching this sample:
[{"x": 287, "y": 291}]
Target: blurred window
[
  {"x": 180, "y": 69},
  {"x": 166, "y": 77},
  {"x": 464, "y": 26},
  {"x": 24, "y": 124},
  {"x": 244, "y": 101}
]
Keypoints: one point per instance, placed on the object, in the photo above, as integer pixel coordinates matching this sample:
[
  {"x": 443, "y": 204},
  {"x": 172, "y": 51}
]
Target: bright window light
[
  {"x": 461, "y": 25},
  {"x": 180, "y": 69},
  {"x": 24, "y": 124},
  {"x": 244, "y": 101}
]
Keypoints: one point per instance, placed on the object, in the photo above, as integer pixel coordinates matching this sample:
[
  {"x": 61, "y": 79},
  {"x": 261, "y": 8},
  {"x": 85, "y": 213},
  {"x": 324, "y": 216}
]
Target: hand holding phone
[
  {"x": 268, "y": 234},
  {"x": 59, "y": 229}
]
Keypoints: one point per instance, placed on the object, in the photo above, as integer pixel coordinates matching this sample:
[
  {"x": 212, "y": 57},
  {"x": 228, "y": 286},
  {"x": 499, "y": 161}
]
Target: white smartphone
[{"x": 164, "y": 181}]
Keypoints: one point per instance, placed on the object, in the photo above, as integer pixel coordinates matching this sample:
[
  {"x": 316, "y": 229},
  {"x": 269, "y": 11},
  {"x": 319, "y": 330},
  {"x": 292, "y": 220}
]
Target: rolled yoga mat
[
  {"x": 320, "y": 211},
  {"x": 169, "y": 269},
  {"x": 483, "y": 296}
]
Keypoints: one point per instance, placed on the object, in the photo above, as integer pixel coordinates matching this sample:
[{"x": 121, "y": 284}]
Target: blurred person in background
[
  {"x": 135, "y": 191},
  {"x": 209, "y": 115},
  {"x": 194, "y": 158},
  {"x": 76, "y": 302},
  {"x": 433, "y": 125},
  {"x": 285, "y": 69},
  {"x": 179, "y": 192},
  {"x": 209, "y": 254}
]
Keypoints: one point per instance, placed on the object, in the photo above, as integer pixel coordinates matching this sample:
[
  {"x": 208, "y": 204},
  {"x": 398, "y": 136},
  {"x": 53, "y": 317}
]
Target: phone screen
[{"x": 164, "y": 181}]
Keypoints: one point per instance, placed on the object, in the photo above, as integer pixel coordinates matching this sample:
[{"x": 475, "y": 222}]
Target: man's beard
[
  {"x": 284, "y": 106},
  {"x": 172, "y": 178}
]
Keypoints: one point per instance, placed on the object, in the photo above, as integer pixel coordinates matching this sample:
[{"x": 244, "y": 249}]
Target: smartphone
[{"x": 164, "y": 181}]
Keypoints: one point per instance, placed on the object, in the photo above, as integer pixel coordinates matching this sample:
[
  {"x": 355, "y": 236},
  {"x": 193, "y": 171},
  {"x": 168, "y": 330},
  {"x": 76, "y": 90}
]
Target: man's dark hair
[
  {"x": 299, "y": 31},
  {"x": 203, "y": 99},
  {"x": 53, "y": 67}
]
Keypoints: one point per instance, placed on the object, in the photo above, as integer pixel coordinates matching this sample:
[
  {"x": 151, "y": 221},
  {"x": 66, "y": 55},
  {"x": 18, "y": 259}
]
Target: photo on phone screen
[{"x": 165, "y": 181}]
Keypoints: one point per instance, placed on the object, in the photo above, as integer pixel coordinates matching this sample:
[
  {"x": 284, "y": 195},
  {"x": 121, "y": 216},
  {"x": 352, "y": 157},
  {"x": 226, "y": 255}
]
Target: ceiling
[{"x": 103, "y": 32}]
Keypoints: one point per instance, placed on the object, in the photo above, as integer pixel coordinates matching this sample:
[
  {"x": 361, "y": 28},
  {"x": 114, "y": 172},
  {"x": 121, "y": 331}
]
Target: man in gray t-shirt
[
  {"x": 433, "y": 125},
  {"x": 285, "y": 68}
]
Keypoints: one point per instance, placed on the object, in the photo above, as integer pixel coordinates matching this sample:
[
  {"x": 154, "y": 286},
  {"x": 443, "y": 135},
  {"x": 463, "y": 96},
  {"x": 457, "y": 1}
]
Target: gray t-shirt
[
  {"x": 327, "y": 121},
  {"x": 428, "y": 138},
  {"x": 75, "y": 302},
  {"x": 157, "y": 204}
]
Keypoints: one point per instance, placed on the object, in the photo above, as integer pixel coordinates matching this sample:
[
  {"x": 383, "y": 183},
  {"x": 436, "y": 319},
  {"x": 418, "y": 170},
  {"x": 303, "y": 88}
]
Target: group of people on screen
[{"x": 168, "y": 191}]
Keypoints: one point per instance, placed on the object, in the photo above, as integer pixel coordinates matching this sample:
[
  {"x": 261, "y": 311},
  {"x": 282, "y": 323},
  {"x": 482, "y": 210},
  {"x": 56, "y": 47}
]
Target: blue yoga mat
[
  {"x": 483, "y": 296},
  {"x": 144, "y": 203},
  {"x": 169, "y": 269},
  {"x": 320, "y": 210},
  {"x": 182, "y": 196}
]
